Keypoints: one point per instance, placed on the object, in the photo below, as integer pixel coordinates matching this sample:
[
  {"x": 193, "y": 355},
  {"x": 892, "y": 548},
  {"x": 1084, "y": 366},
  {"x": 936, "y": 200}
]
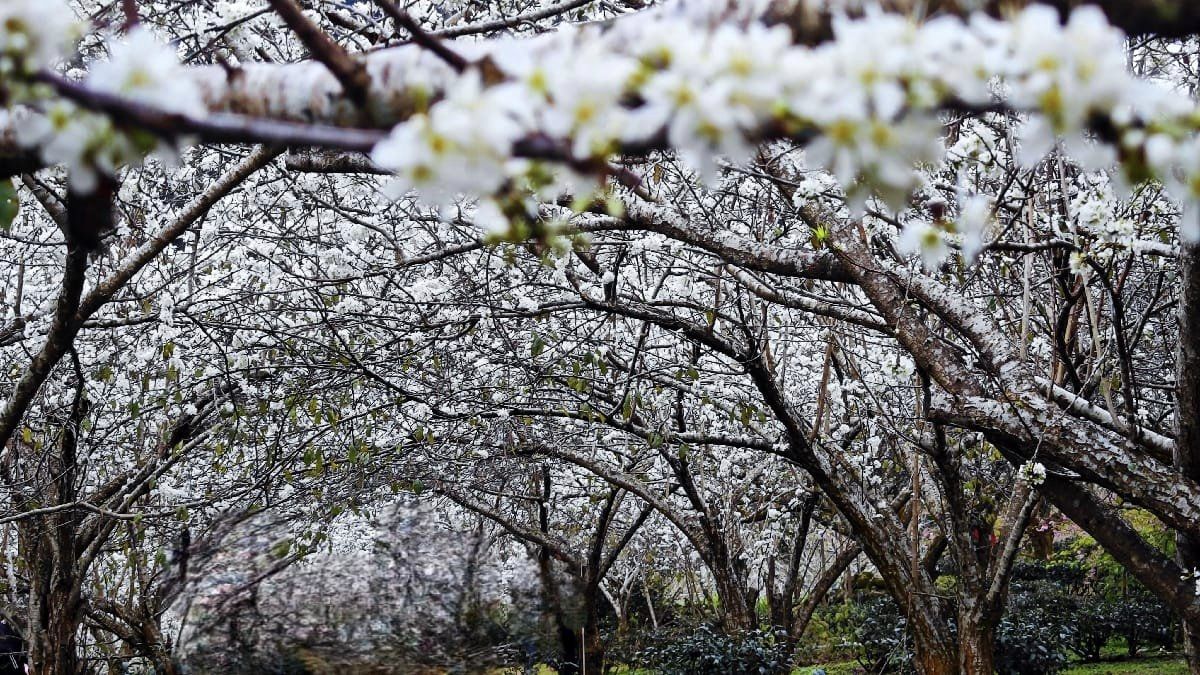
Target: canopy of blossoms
[{"x": 510, "y": 120}]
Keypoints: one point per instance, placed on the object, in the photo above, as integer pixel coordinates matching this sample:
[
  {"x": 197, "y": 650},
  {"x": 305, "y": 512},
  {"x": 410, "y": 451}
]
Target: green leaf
[
  {"x": 281, "y": 548},
  {"x": 10, "y": 204}
]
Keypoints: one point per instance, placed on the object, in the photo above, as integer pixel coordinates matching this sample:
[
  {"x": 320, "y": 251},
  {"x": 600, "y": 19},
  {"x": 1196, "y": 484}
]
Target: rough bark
[
  {"x": 934, "y": 655},
  {"x": 50, "y": 545},
  {"x": 736, "y": 614},
  {"x": 1187, "y": 416},
  {"x": 976, "y": 642}
]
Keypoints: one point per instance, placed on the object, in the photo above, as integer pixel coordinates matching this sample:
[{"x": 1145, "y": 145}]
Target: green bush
[
  {"x": 1039, "y": 623},
  {"x": 1030, "y": 640},
  {"x": 707, "y": 651},
  {"x": 883, "y": 638},
  {"x": 1094, "y": 624},
  {"x": 831, "y": 634},
  {"x": 1143, "y": 619}
]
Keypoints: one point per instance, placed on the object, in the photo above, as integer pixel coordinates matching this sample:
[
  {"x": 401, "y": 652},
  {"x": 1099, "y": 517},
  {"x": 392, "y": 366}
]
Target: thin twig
[
  {"x": 350, "y": 73},
  {"x": 423, "y": 37},
  {"x": 511, "y": 21}
]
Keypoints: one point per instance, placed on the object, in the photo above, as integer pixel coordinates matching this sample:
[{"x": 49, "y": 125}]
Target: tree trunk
[
  {"x": 48, "y": 543},
  {"x": 53, "y": 647},
  {"x": 571, "y": 660},
  {"x": 934, "y": 658},
  {"x": 976, "y": 644},
  {"x": 800, "y": 619},
  {"x": 158, "y": 650},
  {"x": 593, "y": 646},
  {"x": 934, "y": 650},
  {"x": 736, "y": 614},
  {"x": 583, "y": 651},
  {"x": 1187, "y": 420}
]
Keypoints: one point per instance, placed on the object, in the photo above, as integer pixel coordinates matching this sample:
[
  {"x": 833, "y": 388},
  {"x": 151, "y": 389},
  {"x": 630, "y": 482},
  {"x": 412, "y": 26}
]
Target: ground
[
  {"x": 1151, "y": 666},
  {"x": 1157, "y": 665}
]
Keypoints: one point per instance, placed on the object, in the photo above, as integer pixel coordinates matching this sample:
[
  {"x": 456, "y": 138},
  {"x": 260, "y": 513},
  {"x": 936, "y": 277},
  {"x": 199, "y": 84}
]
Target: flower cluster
[
  {"x": 85, "y": 143},
  {"x": 33, "y": 34},
  {"x": 929, "y": 238},
  {"x": 463, "y": 145},
  {"x": 143, "y": 69},
  {"x": 866, "y": 103},
  {"x": 140, "y": 69},
  {"x": 1033, "y": 472}
]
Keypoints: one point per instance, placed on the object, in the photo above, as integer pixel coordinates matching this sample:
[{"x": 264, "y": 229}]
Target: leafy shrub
[
  {"x": 1028, "y": 645},
  {"x": 1033, "y": 634},
  {"x": 831, "y": 634},
  {"x": 707, "y": 651},
  {"x": 883, "y": 637},
  {"x": 1095, "y": 622},
  {"x": 1142, "y": 619},
  {"x": 1086, "y": 604}
]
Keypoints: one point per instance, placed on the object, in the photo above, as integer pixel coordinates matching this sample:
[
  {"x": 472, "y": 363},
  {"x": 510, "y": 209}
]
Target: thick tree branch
[{"x": 350, "y": 73}]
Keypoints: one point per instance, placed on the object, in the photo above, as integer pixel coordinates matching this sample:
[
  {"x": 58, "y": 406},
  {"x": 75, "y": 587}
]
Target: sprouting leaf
[
  {"x": 10, "y": 204},
  {"x": 281, "y": 548}
]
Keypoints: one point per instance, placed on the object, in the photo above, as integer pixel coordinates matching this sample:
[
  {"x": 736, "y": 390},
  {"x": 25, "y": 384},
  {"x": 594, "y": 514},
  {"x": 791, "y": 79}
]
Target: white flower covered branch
[{"x": 547, "y": 114}]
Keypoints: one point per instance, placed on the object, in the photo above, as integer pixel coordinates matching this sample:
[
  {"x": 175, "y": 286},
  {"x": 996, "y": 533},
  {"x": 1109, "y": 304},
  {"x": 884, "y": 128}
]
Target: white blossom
[
  {"x": 34, "y": 33},
  {"x": 925, "y": 239},
  {"x": 1033, "y": 472},
  {"x": 144, "y": 69}
]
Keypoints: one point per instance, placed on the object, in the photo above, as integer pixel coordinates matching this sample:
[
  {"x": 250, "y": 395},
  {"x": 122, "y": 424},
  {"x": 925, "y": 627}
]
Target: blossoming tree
[{"x": 939, "y": 257}]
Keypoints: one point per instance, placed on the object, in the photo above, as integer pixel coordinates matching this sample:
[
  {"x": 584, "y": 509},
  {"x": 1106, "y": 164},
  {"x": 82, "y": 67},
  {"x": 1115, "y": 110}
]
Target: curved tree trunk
[
  {"x": 1187, "y": 416},
  {"x": 801, "y": 618}
]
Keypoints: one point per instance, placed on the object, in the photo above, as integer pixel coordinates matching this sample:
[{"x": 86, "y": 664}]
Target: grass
[
  {"x": 1142, "y": 665},
  {"x": 1153, "y": 665},
  {"x": 843, "y": 668},
  {"x": 1156, "y": 665}
]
